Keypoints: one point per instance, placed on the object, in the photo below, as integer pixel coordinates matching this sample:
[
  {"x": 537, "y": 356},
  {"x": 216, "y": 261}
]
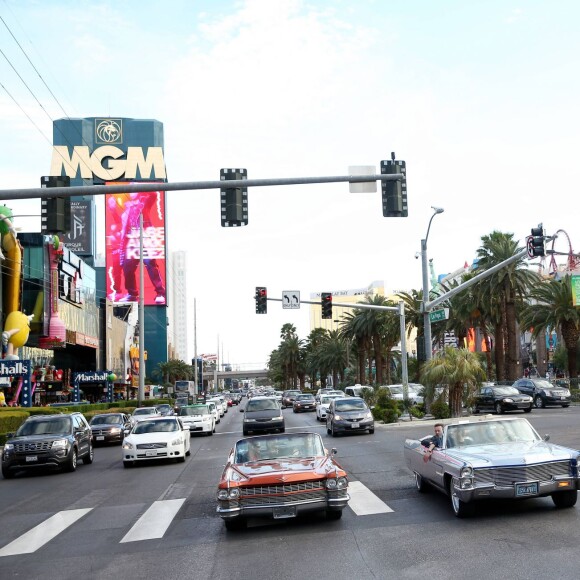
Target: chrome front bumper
[{"x": 509, "y": 492}]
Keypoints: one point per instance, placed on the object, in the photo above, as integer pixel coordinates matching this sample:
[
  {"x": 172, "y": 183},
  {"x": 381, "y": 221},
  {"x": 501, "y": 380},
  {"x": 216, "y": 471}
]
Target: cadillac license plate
[
  {"x": 524, "y": 489},
  {"x": 284, "y": 512}
]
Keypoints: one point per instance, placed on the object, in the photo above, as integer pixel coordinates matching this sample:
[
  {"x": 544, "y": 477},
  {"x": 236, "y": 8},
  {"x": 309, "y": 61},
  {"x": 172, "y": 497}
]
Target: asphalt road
[{"x": 419, "y": 538}]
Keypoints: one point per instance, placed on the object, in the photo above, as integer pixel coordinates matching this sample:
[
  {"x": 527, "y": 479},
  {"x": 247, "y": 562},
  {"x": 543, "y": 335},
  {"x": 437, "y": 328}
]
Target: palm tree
[
  {"x": 455, "y": 367},
  {"x": 509, "y": 284},
  {"x": 175, "y": 370},
  {"x": 413, "y": 315},
  {"x": 352, "y": 330},
  {"x": 552, "y": 307},
  {"x": 333, "y": 355}
]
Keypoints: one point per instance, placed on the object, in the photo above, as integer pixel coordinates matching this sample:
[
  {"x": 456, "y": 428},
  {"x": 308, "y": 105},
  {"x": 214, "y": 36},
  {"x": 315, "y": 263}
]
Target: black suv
[{"x": 56, "y": 441}]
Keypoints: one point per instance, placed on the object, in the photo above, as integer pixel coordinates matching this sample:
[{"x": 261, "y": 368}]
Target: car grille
[
  {"x": 282, "y": 494},
  {"x": 24, "y": 447},
  {"x": 507, "y": 476},
  {"x": 351, "y": 420},
  {"x": 151, "y": 445}
]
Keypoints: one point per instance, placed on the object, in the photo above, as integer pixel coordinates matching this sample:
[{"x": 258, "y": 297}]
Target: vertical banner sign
[
  {"x": 79, "y": 238},
  {"x": 122, "y": 216},
  {"x": 575, "y": 281}
]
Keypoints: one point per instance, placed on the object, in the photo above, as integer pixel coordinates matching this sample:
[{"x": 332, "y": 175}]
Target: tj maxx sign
[{"x": 108, "y": 162}]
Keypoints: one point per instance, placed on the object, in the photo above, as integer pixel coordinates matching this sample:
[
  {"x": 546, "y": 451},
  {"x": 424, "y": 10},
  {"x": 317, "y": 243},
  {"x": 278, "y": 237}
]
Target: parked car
[
  {"x": 499, "y": 458},
  {"x": 357, "y": 390},
  {"x": 323, "y": 404},
  {"x": 262, "y": 414},
  {"x": 347, "y": 415},
  {"x": 501, "y": 399},
  {"x": 199, "y": 418},
  {"x": 109, "y": 427},
  {"x": 156, "y": 438},
  {"x": 304, "y": 403},
  {"x": 288, "y": 398},
  {"x": 264, "y": 473},
  {"x": 544, "y": 392},
  {"x": 413, "y": 392},
  {"x": 54, "y": 441}
]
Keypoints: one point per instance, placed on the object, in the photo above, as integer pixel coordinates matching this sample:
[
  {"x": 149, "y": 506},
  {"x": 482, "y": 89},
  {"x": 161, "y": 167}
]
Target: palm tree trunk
[
  {"x": 499, "y": 368},
  {"x": 512, "y": 346},
  {"x": 361, "y": 362},
  {"x": 456, "y": 396},
  {"x": 489, "y": 364},
  {"x": 378, "y": 358}
]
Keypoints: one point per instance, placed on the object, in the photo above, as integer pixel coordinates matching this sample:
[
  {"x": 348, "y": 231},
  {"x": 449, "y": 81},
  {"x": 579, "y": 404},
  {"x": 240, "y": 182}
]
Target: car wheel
[
  {"x": 283, "y": 430},
  {"x": 565, "y": 406},
  {"x": 327, "y": 428},
  {"x": 565, "y": 499},
  {"x": 528, "y": 410},
  {"x": 476, "y": 410},
  {"x": 127, "y": 464},
  {"x": 420, "y": 483},
  {"x": 181, "y": 458},
  {"x": 332, "y": 431},
  {"x": 7, "y": 474},
  {"x": 371, "y": 431},
  {"x": 245, "y": 432},
  {"x": 333, "y": 514},
  {"x": 188, "y": 453},
  {"x": 236, "y": 524},
  {"x": 539, "y": 403},
  {"x": 210, "y": 432},
  {"x": 88, "y": 458},
  {"x": 498, "y": 408},
  {"x": 71, "y": 464},
  {"x": 461, "y": 509}
]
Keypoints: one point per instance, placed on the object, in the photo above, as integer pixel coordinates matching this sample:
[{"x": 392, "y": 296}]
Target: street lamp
[{"x": 426, "y": 319}]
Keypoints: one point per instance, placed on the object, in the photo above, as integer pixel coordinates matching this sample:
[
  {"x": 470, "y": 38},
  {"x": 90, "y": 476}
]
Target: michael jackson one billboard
[{"x": 122, "y": 212}]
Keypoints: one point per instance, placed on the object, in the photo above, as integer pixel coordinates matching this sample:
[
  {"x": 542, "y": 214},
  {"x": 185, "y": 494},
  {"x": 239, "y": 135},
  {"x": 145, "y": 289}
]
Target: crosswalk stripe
[
  {"x": 43, "y": 532},
  {"x": 154, "y": 522},
  {"x": 364, "y": 502}
]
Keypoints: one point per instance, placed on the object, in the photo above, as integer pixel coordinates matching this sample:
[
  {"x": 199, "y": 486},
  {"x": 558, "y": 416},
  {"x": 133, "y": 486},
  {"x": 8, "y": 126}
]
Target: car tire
[
  {"x": 88, "y": 458},
  {"x": 188, "y": 453},
  {"x": 327, "y": 429},
  {"x": 245, "y": 432},
  {"x": 332, "y": 431},
  {"x": 210, "y": 432},
  {"x": 565, "y": 499},
  {"x": 420, "y": 483},
  {"x": 529, "y": 410},
  {"x": 460, "y": 508},
  {"x": 539, "y": 402},
  {"x": 333, "y": 515},
  {"x": 7, "y": 474},
  {"x": 127, "y": 464},
  {"x": 565, "y": 406},
  {"x": 498, "y": 409},
  {"x": 476, "y": 410},
  {"x": 71, "y": 464},
  {"x": 236, "y": 524},
  {"x": 371, "y": 431}
]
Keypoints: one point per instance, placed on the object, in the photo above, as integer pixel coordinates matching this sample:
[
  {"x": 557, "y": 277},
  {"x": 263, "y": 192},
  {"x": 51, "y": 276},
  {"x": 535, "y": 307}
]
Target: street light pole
[{"x": 426, "y": 319}]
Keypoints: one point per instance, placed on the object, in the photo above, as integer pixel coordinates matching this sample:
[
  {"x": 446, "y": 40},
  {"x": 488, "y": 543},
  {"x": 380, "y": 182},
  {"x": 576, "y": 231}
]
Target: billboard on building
[
  {"x": 79, "y": 239},
  {"x": 122, "y": 256}
]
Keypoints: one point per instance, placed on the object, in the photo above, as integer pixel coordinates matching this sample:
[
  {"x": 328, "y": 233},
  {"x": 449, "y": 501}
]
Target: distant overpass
[{"x": 254, "y": 374}]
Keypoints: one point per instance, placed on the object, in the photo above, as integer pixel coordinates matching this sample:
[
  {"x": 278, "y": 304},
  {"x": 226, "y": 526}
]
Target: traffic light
[
  {"x": 55, "y": 213},
  {"x": 261, "y": 300},
  {"x": 394, "y": 192},
  {"x": 234, "y": 201},
  {"x": 326, "y": 302},
  {"x": 536, "y": 242}
]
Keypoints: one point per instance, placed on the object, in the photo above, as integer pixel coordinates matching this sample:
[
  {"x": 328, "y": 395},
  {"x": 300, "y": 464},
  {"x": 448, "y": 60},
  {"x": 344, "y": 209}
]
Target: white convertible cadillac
[{"x": 494, "y": 458}]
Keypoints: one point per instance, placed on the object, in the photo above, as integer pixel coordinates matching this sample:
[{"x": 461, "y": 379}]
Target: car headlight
[
  {"x": 331, "y": 484},
  {"x": 341, "y": 483},
  {"x": 338, "y": 417},
  {"x": 277, "y": 418},
  {"x": 9, "y": 447},
  {"x": 177, "y": 441},
  {"x": 369, "y": 416},
  {"x": 234, "y": 493},
  {"x": 59, "y": 443},
  {"x": 466, "y": 483},
  {"x": 466, "y": 472},
  {"x": 222, "y": 494},
  {"x": 127, "y": 445},
  {"x": 115, "y": 430},
  {"x": 508, "y": 400},
  {"x": 249, "y": 420}
]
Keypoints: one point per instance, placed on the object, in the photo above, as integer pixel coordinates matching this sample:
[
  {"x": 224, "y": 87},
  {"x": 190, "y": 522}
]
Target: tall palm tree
[
  {"x": 509, "y": 284},
  {"x": 352, "y": 329},
  {"x": 174, "y": 370},
  {"x": 333, "y": 355},
  {"x": 455, "y": 367},
  {"x": 552, "y": 307}
]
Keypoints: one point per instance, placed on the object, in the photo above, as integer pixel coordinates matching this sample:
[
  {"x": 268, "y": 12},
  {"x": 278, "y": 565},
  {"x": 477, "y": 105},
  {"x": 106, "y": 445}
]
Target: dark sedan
[
  {"x": 288, "y": 398},
  {"x": 544, "y": 392},
  {"x": 108, "y": 427},
  {"x": 304, "y": 403},
  {"x": 501, "y": 399}
]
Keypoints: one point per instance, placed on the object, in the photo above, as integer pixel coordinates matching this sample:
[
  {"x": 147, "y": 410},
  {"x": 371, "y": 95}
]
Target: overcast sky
[{"x": 481, "y": 99}]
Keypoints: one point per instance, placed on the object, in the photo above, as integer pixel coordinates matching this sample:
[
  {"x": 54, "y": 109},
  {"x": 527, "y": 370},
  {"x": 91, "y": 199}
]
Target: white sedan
[
  {"x": 156, "y": 438},
  {"x": 323, "y": 404},
  {"x": 199, "y": 418}
]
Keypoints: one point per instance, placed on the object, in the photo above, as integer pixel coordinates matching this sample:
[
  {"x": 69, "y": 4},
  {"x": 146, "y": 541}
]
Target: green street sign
[{"x": 438, "y": 315}]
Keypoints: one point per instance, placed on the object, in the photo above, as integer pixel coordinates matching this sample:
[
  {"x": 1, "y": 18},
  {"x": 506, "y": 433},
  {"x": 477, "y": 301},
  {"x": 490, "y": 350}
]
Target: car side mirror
[
  {"x": 546, "y": 437},
  {"x": 334, "y": 451},
  {"x": 126, "y": 431},
  {"x": 9, "y": 435}
]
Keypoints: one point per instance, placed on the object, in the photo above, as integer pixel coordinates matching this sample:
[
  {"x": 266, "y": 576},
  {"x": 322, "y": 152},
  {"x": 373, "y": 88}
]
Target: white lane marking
[
  {"x": 154, "y": 522},
  {"x": 364, "y": 502},
  {"x": 43, "y": 532}
]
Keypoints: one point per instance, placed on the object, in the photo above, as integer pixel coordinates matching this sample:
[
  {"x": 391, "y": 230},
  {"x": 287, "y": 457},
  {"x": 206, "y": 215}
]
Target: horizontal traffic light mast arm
[
  {"x": 10, "y": 194},
  {"x": 347, "y": 305},
  {"x": 444, "y": 297}
]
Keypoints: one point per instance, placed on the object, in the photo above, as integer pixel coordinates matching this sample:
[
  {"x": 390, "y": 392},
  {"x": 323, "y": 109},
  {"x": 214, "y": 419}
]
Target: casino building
[{"x": 80, "y": 312}]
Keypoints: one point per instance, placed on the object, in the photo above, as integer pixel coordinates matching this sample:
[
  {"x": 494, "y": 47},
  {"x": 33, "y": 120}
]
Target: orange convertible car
[{"x": 280, "y": 476}]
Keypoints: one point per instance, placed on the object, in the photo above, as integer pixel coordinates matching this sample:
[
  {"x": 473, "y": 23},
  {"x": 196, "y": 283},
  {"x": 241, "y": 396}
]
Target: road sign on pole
[
  {"x": 290, "y": 299},
  {"x": 438, "y": 315}
]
